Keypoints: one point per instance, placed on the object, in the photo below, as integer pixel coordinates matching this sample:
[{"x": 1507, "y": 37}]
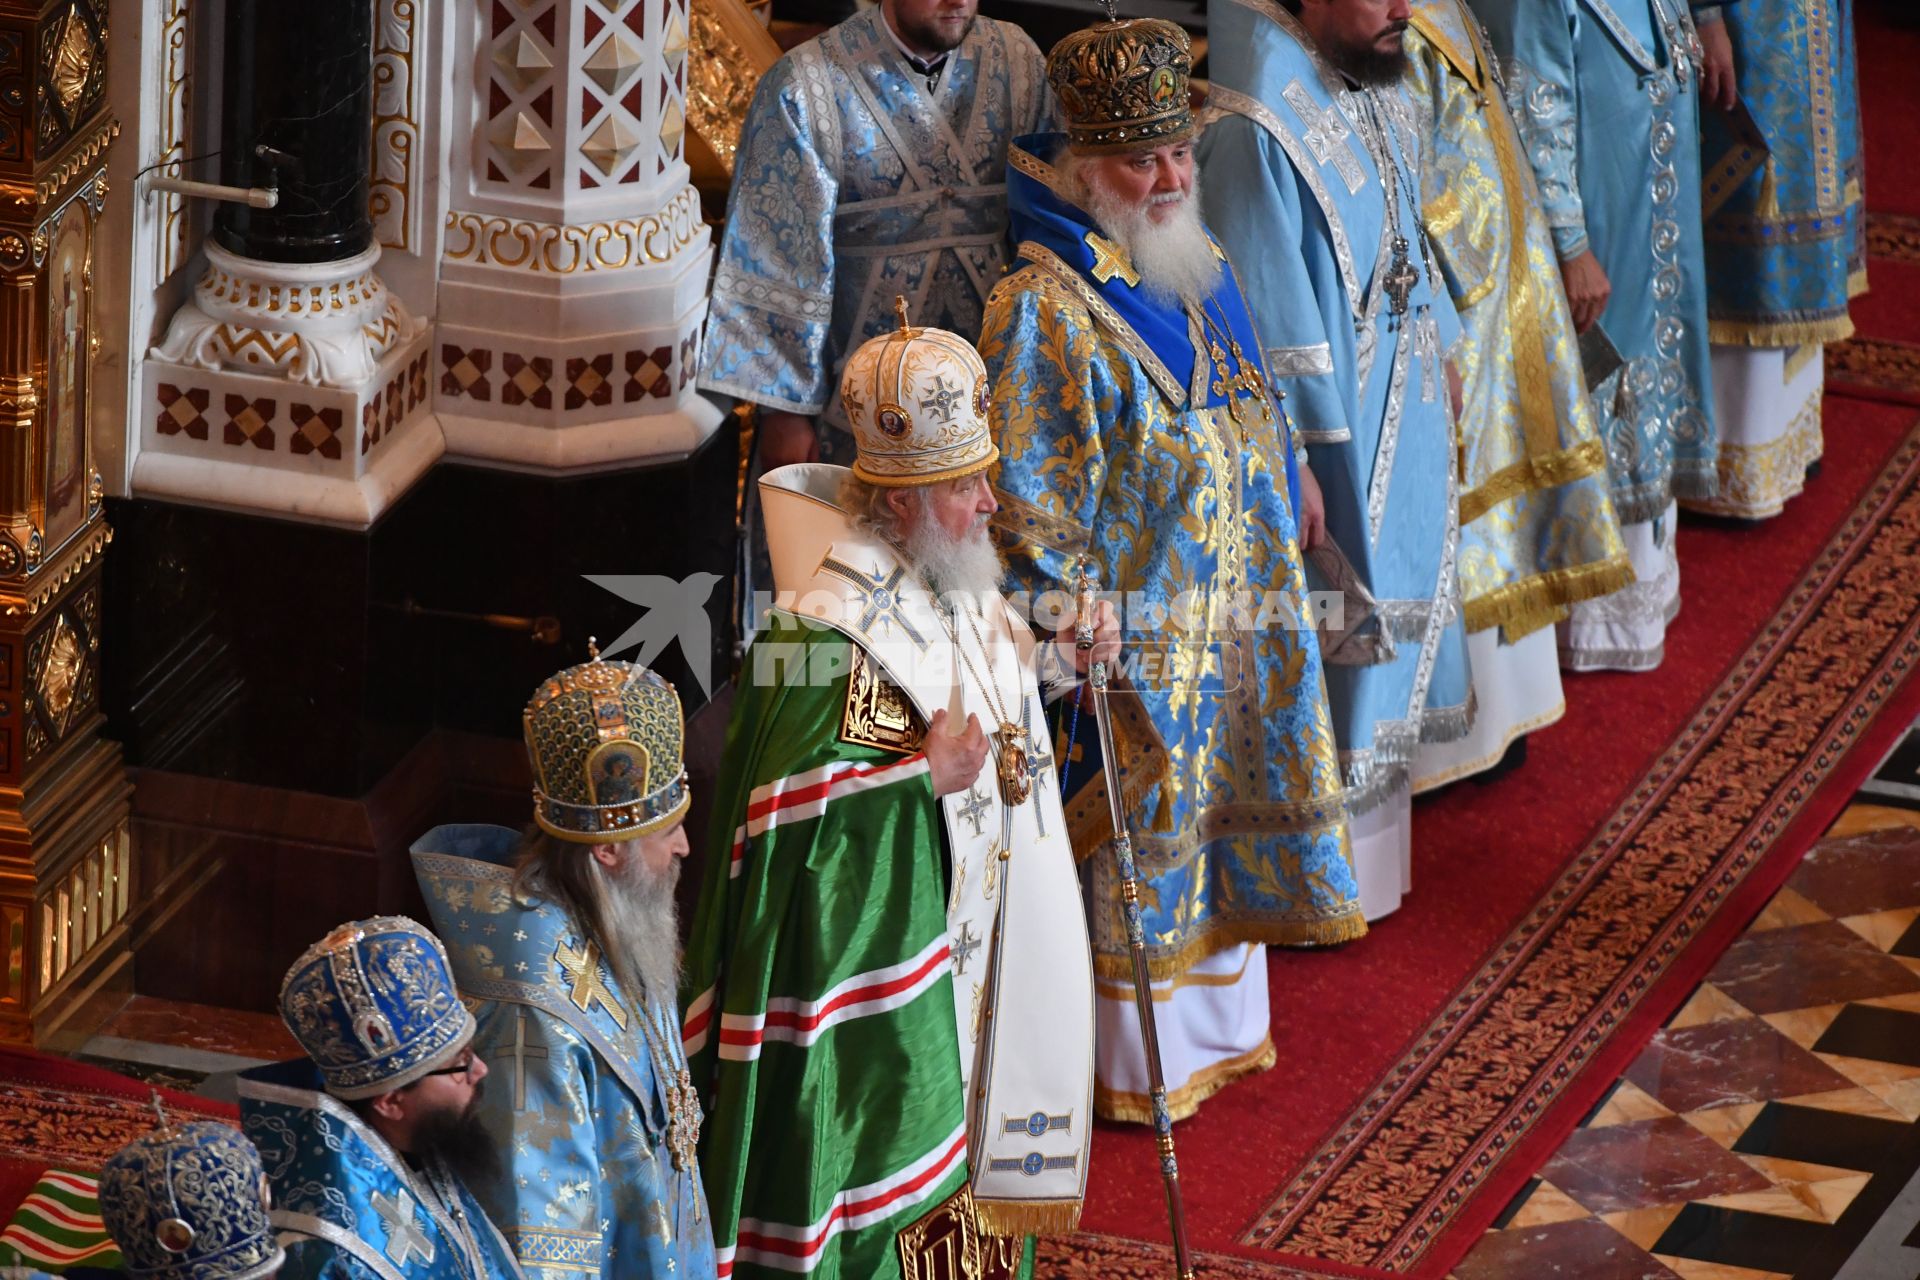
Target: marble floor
[
  {"x": 1772, "y": 1128},
  {"x": 1771, "y": 1131}
]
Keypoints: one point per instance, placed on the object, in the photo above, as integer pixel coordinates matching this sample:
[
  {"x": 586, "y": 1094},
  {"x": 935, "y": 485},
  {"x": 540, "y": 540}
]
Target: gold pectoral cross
[{"x": 1110, "y": 260}]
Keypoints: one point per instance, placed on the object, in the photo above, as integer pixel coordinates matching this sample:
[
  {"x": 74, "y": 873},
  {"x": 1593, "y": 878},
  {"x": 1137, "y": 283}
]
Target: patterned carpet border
[
  {"x": 1386, "y": 1186},
  {"x": 1894, "y": 237},
  {"x": 78, "y": 1128}
]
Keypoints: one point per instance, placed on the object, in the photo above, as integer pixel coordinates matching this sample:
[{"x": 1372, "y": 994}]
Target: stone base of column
[
  {"x": 300, "y": 390},
  {"x": 241, "y": 441},
  {"x": 573, "y": 347}
]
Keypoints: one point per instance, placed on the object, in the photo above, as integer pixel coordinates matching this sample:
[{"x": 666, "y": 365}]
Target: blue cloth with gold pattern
[
  {"x": 1117, "y": 446},
  {"x": 1785, "y": 205},
  {"x": 190, "y": 1203}
]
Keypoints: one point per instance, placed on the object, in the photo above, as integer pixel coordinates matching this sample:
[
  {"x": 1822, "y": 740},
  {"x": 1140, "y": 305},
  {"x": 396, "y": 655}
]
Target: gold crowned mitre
[
  {"x": 605, "y": 741},
  {"x": 917, "y": 401},
  {"x": 1124, "y": 85}
]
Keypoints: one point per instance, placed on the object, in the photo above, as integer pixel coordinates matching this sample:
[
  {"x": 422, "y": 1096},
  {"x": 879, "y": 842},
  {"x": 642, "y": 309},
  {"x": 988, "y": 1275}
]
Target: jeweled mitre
[{"x": 1124, "y": 85}]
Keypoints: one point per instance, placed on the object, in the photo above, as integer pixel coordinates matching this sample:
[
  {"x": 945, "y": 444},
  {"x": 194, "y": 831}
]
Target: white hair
[
  {"x": 969, "y": 565},
  {"x": 1174, "y": 257}
]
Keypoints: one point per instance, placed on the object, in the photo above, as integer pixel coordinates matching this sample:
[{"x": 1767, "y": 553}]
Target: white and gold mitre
[{"x": 917, "y": 401}]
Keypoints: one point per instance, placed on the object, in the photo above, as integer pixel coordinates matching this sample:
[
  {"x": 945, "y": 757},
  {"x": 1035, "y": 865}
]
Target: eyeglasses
[{"x": 459, "y": 1068}]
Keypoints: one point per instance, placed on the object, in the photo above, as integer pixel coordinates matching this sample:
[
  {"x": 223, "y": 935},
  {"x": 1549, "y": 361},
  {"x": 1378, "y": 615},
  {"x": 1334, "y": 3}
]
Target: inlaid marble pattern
[{"x": 1772, "y": 1128}]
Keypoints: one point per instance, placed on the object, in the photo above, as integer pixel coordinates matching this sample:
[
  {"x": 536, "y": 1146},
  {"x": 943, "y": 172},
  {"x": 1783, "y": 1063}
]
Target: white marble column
[{"x": 574, "y": 260}]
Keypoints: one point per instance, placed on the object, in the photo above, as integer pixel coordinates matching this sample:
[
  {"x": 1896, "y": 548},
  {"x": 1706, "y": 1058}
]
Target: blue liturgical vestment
[
  {"x": 1300, "y": 169},
  {"x": 1785, "y": 209},
  {"x": 853, "y": 183},
  {"x": 1122, "y": 441},
  {"x": 588, "y": 1183},
  {"x": 1605, "y": 93},
  {"x": 349, "y": 1207}
]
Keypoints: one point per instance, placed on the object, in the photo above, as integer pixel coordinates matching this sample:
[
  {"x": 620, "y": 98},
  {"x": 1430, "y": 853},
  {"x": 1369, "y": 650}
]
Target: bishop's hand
[{"x": 954, "y": 760}]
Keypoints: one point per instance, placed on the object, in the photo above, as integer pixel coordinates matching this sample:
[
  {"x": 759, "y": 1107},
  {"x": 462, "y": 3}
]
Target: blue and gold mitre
[
  {"x": 605, "y": 741},
  {"x": 190, "y": 1203},
  {"x": 374, "y": 1005},
  {"x": 1123, "y": 85}
]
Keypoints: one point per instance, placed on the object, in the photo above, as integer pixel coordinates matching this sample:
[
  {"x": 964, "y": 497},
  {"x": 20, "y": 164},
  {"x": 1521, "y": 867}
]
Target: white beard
[
  {"x": 1175, "y": 259},
  {"x": 968, "y": 566},
  {"x": 645, "y": 925}
]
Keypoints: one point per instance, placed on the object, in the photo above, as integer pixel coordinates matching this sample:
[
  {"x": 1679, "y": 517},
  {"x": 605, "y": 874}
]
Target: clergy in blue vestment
[
  {"x": 565, "y": 941},
  {"x": 1537, "y": 529},
  {"x": 370, "y": 1140},
  {"x": 1606, "y": 93},
  {"x": 871, "y": 164},
  {"x": 1786, "y": 228},
  {"x": 1137, "y": 432},
  {"x": 1323, "y": 217}
]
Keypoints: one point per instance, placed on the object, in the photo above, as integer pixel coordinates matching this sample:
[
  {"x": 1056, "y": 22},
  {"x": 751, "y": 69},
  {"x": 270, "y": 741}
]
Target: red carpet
[
  {"x": 1560, "y": 914},
  {"x": 56, "y": 1113}
]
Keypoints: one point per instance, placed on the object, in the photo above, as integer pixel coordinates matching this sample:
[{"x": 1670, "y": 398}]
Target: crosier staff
[{"x": 1083, "y": 631}]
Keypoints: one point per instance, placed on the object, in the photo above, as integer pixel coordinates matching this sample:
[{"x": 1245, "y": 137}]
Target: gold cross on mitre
[
  {"x": 1110, "y": 260},
  {"x": 582, "y": 968}
]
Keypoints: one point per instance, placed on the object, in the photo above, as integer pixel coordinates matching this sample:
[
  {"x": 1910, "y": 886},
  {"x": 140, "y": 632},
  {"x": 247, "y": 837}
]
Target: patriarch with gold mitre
[
  {"x": 888, "y": 997},
  {"x": 1139, "y": 435}
]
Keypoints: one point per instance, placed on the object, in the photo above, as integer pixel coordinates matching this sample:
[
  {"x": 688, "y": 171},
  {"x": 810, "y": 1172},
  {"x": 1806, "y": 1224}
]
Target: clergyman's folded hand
[{"x": 954, "y": 760}]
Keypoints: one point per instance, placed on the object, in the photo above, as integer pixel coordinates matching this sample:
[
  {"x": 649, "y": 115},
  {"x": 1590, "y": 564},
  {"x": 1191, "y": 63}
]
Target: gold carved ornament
[
  {"x": 72, "y": 61},
  {"x": 877, "y": 713},
  {"x": 947, "y": 1244},
  {"x": 58, "y": 680}
]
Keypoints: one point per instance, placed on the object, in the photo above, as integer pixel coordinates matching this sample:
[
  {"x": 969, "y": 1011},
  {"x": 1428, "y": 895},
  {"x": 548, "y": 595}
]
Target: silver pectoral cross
[{"x": 1400, "y": 277}]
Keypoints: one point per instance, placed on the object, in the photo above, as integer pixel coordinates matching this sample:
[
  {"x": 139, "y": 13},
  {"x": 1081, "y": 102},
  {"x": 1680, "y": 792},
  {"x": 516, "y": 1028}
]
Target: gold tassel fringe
[
  {"x": 1528, "y": 599},
  {"x": 1739, "y": 333},
  {"x": 1276, "y": 933},
  {"x": 1137, "y": 1108},
  {"x": 1025, "y": 1217},
  {"x": 1520, "y": 628}
]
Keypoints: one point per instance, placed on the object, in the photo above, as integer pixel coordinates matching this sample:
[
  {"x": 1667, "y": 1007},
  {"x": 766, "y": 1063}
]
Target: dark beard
[
  {"x": 1370, "y": 68},
  {"x": 460, "y": 1141},
  {"x": 931, "y": 37}
]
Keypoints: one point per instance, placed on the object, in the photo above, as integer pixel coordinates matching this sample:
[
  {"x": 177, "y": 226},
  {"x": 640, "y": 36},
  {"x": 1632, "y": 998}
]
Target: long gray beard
[
  {"x": 968, "y": 566},
  {"x": 645, "y": 925},
  {"x": 1175, "y": 259}
]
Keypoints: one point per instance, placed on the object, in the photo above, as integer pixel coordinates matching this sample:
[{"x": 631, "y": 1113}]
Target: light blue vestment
[
  {"x": 1295, "y": 188},
  {"x": 348, "y": 1206},
  {"x": 1605, "y": 93},
  {"x": 588, "y": 1184},
  {"x": 1786, "y": 213},
  {"x": 853, "y": 184}
]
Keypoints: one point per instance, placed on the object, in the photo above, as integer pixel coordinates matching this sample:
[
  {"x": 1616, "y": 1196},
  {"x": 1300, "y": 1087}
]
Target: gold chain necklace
[
  {"x": 1248, "y": 378},
  {"x": 1015, "y": 775}
]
